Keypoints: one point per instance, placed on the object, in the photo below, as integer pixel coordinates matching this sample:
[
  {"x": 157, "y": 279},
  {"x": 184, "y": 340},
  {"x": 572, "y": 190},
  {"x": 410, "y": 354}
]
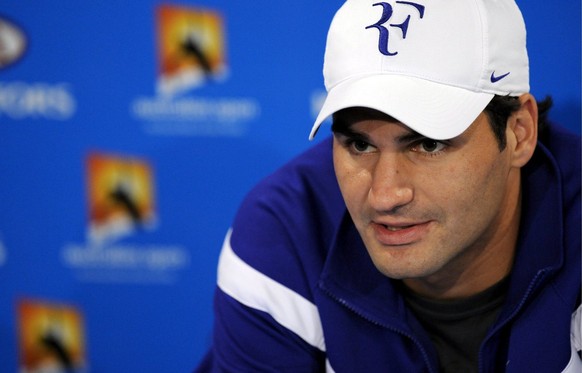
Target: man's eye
[
  {"x": 430, "y": 146},
  {"x": 360, "y": 146}
]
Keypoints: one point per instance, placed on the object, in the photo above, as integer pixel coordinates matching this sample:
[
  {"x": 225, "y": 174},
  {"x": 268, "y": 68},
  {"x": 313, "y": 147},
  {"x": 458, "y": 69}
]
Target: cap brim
[{"x": 434, "y": 110}]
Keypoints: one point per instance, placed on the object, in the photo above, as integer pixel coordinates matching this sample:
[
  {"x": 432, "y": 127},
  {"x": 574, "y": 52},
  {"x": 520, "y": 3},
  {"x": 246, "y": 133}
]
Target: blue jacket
[{"x": 297, "y": 291}]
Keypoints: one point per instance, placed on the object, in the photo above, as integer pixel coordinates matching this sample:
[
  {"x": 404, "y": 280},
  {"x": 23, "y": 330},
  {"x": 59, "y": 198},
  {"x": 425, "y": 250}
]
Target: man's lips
[{"x": 399, "y": 234}]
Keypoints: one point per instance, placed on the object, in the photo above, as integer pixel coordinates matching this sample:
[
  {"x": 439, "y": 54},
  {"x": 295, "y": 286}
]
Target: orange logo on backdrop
[
  {"x": 190, "y": 47},
  {"x": 120, "y": 194},
  {"x": 51, "y": 337}
]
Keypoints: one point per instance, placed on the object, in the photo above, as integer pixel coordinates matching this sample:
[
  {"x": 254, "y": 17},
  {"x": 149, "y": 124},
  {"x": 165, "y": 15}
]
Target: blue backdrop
[{"x": 130, "y": 132}]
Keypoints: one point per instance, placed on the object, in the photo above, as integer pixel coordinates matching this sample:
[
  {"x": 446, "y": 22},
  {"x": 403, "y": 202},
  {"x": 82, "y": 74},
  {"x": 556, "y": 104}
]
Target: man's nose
[{"x": 391, "y": 186}]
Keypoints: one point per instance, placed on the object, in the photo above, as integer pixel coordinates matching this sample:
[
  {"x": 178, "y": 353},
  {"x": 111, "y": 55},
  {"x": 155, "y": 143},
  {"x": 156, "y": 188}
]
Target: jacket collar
[{"x": 540, "y": 246}]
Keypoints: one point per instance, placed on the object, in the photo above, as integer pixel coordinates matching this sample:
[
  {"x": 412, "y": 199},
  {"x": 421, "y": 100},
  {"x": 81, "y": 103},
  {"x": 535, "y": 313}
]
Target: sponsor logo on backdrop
[
  {"x": 120, "y": 197},
  {"x": 13, "y": 43},
  {"x": 190, "y": 48},
  {"x": 316, "y": 101},
  {"x": 192, "y": 56},
  {"x": 121, "y": 208},
  {"x": 51, "y": 337},
  {"x": 23, "y": 100},
  {"x": 29, "y": 100}
]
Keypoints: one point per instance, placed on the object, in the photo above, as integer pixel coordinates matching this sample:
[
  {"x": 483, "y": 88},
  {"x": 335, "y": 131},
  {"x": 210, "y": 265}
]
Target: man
[{"x": 451, "y": 239}]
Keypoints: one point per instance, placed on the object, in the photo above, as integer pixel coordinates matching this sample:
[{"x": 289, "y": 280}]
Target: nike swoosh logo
[{"x": 495, "y": 79}]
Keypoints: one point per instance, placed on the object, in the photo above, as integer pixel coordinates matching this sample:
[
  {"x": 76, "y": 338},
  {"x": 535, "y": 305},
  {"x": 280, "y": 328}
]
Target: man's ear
[{"x": 522, "y": 130}]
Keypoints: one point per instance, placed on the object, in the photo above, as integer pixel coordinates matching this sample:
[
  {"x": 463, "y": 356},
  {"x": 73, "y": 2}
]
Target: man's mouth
[
  {"x": 400, "y": 234},
  {"x": 395, "y": 229}
]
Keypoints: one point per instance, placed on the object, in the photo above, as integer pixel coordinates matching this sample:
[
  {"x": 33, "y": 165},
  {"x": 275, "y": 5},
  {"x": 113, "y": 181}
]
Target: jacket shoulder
[{"x": 287, "y": 221}]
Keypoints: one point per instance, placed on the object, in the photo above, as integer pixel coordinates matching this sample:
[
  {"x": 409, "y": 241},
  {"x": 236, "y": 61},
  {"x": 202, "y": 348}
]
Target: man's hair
[
  {"x": 500, "y": 109},
  {"x": 498, "y": 112}
]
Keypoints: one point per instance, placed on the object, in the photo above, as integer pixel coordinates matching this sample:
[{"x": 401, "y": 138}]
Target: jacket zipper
[
  {"x": 375, "y": 322},
  {"x": 533, "y": 285}
]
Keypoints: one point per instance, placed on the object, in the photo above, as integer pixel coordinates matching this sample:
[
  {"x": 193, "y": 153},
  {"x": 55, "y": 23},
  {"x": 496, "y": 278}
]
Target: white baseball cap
[{"x": 433, "y": 65}]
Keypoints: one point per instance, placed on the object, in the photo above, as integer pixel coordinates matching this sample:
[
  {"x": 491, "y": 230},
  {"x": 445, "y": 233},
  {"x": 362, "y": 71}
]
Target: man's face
[{"x": 427, "y": 210}]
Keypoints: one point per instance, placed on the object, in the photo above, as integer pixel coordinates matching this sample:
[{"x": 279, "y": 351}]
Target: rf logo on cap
[{"x": 387, "y": 12}]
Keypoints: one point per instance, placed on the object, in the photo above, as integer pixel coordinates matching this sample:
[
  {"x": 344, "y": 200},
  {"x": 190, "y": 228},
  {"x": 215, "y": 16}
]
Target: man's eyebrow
[
  {"x": 410, "y": 137},
  {"x": 345, "y": 128}
]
